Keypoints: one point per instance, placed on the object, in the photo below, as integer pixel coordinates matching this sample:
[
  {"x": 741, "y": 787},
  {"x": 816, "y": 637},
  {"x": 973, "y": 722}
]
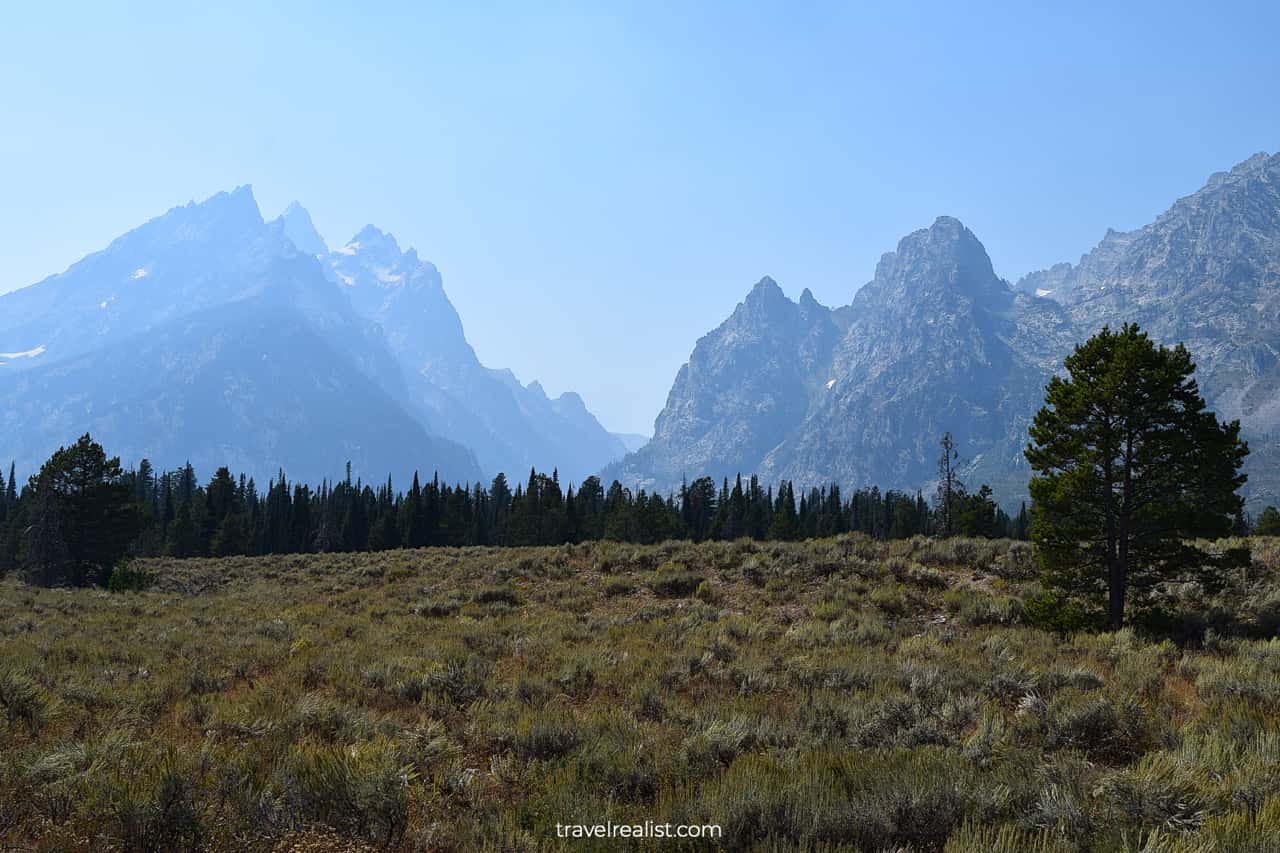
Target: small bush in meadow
[{"x": 673, "y": 580}]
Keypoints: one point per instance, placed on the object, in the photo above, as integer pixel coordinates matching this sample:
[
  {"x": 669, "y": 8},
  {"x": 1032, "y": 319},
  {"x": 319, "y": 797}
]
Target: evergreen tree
[
  {"x": 619, "y": 515},
  {"x": 183, "y": 536},
  {"x": 1268, "y": 523},
  {"x": 784, "y": 525},
  {"x": 978, "y": 515},
  {"x": 949, "y": 486},
  {"x": 1022, "y": 524},
  {"x": 1130, "y": 467},
  {"x": 85, "y": 516}
]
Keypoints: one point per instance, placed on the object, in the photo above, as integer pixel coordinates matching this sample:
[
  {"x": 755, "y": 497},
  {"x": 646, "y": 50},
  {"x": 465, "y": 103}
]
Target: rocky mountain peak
[
  {"x": 765, "y": 288},
  {"x": 372, "y": 259},
  {"x": 936, "y": 264},
  {"x": 1258, "y": 164},
  {"x": 296, "y": 225},
  {"x": 766, "y": 301},
  {"x": 373, "y": 241},
  {"x": 224, "y": 216},
  {"x": 937, "y": 342},
  {"x": 238, "y": 202}
]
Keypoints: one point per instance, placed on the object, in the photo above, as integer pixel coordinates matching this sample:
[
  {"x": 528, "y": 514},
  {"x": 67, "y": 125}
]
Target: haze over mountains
[
  {"x": 212, "y": 336},
  {"x": 937, "y": 341}
]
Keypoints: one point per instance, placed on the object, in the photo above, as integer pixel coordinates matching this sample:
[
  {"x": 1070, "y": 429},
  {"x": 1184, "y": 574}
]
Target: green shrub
[
  {"x": 126, "y": 578},
  {"x": 544, "y": 735},
  {"x": 497, "y": 595},
  {"x": 973, "y": 607},
  {"x": 24, "y": 700},
  {"x": 1156, "y": 793},
  {"x": 362, "y": 790},
  {"x": 673, "y": 580},
  {"x": 1005, "y": 838},
  {"x": 1113, "y": 732},
  {"x": 872, "y": 801},
  {"x": 891, "y": 599},
  {"x": 153, "y": 805},
  {"x": 1054, "y": 612},
  {"x": 438, "y": 609},
  {"x": 616, "y": 588}
]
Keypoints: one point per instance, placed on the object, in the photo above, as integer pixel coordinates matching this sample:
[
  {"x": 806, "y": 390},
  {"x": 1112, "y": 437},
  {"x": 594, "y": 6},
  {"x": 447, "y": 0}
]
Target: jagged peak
[
  {"x": 946, "y": 255},
  {"x": 765, "y": 299},
  {"x": 765, "y": 289},
  {"x": 219, "y": 214},
  {"x": 296, "y": 224},
  {"x": 947, "y": 235},
  {"x": 372, "y": 239},
  {"x": 372, "y": 235},
  {"x": 237, "y": 201},
  {"x": 572, "y": 398},
  {"x": 1260, "y": 160},
  {"x": 1258, "y": 163}
]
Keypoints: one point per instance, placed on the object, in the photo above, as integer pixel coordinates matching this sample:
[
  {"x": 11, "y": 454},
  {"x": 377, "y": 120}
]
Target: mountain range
[
  {"x": 937, "y": 341},
  {"x": 212, "y": 336}
]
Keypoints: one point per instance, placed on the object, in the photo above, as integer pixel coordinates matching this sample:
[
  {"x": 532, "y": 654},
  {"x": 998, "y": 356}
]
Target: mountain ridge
[
  {"x": 70, "y": 341},
  {"x": 937, "y": 341}
]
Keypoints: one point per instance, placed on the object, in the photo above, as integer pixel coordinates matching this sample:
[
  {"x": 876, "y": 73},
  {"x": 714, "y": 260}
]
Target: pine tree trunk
[
  {"x": 1120, "y": 564},
  {"x": 1116, "y": 595},
  {"x": 1115, "y": 570}
]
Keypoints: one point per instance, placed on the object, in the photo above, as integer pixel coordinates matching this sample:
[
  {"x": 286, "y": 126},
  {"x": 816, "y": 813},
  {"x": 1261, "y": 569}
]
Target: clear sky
[{"x": 601, "y": 183}]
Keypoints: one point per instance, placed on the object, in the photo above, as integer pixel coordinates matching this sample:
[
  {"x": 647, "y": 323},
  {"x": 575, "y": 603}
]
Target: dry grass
[{"x": 840, "y": 694}]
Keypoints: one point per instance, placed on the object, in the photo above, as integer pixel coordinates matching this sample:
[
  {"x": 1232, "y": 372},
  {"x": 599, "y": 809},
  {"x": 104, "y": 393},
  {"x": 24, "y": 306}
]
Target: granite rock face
[
  {"x": 511, "y": 426},
  {"x": 1206, "y": 273},
  {"x": 747, "y": 387},
  {"x": 937, "y": 341},
  {"x": 206, "y": 335}
]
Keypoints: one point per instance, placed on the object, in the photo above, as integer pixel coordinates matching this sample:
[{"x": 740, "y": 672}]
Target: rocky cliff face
[
  {"x": 512, "y": 427},
  {"x": 157, "y": 345},
  {"x": 206, "y": 335},
  {"x": 937, "y": 341},
  {"x": 1206, "y": 273},
  {"x": 746, "y": 388},
  {"x": 929, "y": 349}
]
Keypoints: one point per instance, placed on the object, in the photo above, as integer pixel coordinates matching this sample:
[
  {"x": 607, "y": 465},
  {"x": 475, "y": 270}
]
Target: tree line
[
  {"x": 83, "y": 512},
  {"x": 1131, "y": 471}
]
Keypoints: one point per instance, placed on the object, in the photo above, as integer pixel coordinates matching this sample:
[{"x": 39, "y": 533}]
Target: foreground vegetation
[{"x": 838, "y": 694}]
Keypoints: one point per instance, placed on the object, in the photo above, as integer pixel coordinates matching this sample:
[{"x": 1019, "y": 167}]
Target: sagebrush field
[{"x": 838, "y": 694}]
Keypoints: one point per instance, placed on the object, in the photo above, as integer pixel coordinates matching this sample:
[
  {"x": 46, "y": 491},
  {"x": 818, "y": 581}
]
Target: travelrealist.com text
[{"x": 648, "y": 829}]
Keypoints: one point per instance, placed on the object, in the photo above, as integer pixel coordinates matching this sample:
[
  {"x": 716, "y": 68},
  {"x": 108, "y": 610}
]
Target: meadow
[{"x": 841, "y": 694}]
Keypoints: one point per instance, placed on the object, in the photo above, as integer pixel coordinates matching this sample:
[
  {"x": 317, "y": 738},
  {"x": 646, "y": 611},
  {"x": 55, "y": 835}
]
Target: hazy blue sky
[{"x": 600, "y": 184}]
